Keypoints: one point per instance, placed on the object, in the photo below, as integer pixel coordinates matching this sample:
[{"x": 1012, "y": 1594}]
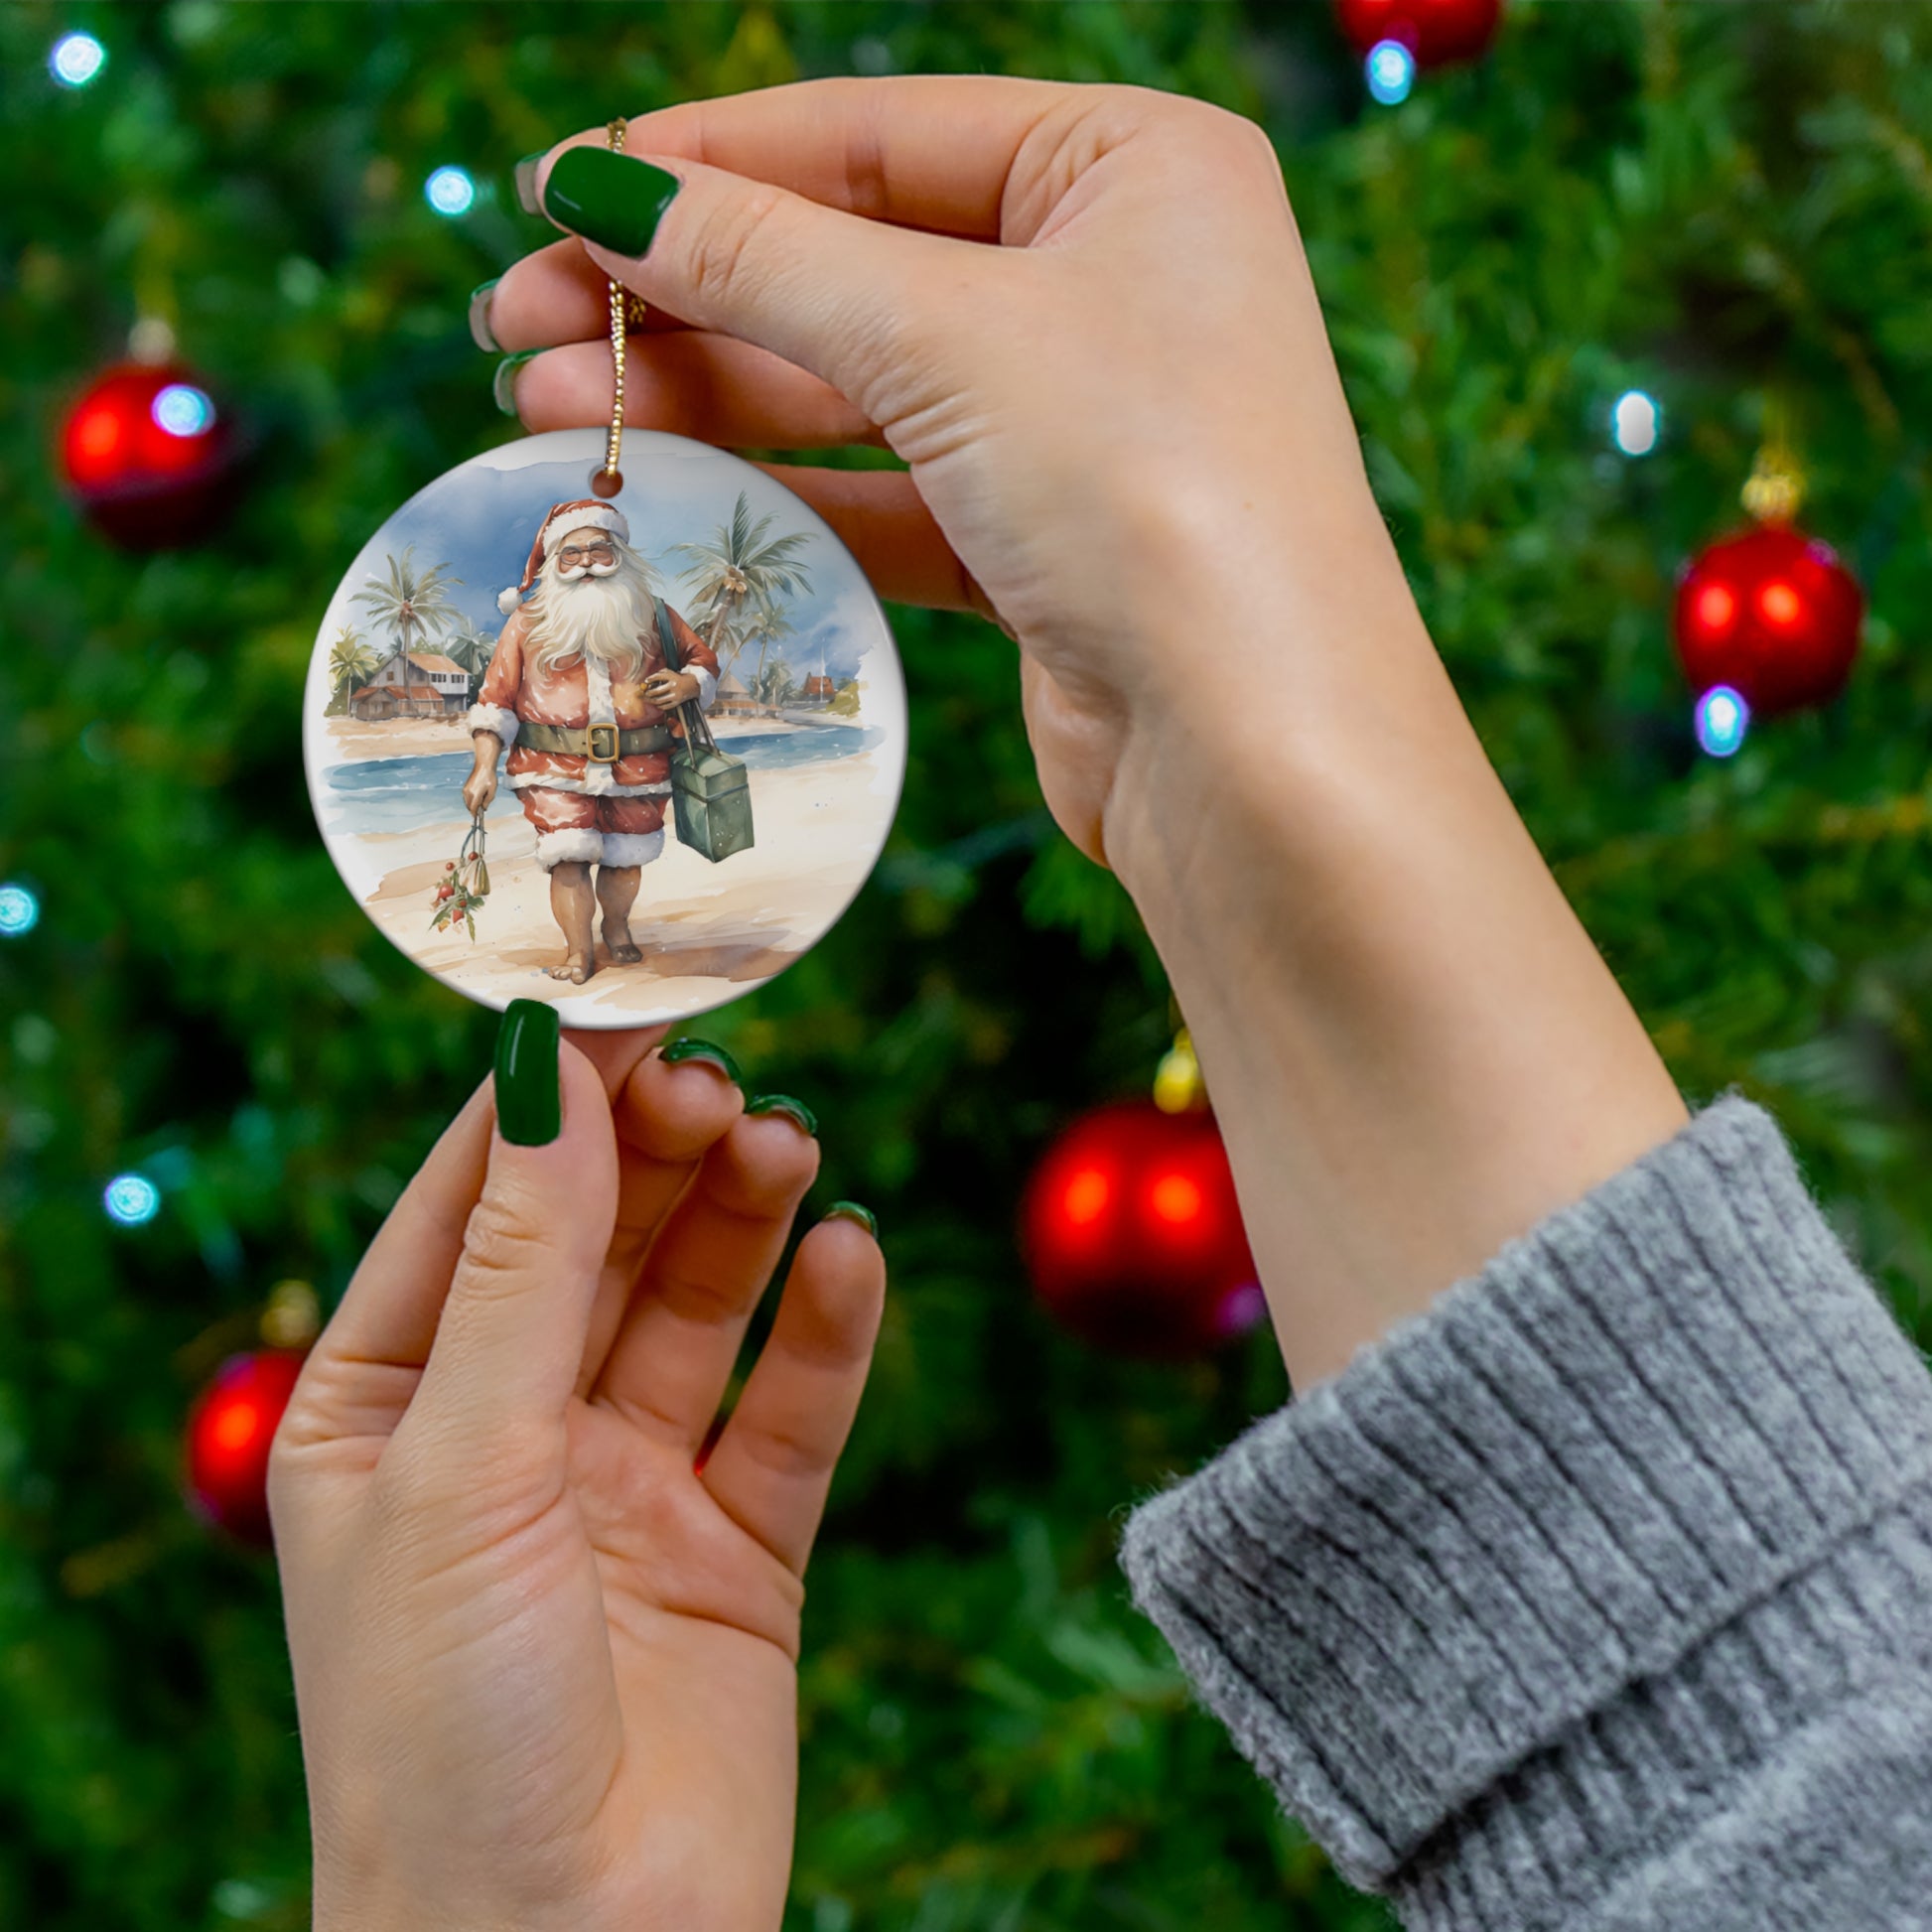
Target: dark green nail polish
[
  {"x": 529, "y": 1089},
  {"x": 503, "y": 385},
  {"x": 680, "y": 1050},
  {"x": 480, "y": 331},
  {"x": 526, "y": 178},
  {"x": 608, "y": 197},
  {"x": 850, "y": 1210},
  {"x": 783, "y": 1103}
]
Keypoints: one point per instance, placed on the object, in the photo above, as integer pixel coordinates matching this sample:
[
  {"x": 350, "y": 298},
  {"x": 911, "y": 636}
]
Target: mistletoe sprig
[{"x": 464, "y": 886}]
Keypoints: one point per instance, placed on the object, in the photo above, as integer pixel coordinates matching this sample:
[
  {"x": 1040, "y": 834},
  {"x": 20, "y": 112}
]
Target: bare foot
[
  {"x": 625, "y": 950},
  {"x": 575, "y": 969}
]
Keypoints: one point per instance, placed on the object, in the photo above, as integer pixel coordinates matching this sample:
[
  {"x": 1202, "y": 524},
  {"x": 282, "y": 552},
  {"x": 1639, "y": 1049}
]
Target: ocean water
[{"x": 400, "y": 794}]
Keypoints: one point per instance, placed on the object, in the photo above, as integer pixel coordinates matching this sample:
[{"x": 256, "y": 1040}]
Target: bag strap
[{"x": 696, "y": 727}]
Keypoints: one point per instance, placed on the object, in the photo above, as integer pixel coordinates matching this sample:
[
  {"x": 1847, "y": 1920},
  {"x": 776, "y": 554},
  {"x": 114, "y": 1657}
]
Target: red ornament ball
[
  {"x": 1436, "y": 32},
  {"x": 229, "y": 1430},
  {"x": 1772, "y": 613},
  {"x": 149, "y": 456},
  {"x": 1133, "y": 1235}
]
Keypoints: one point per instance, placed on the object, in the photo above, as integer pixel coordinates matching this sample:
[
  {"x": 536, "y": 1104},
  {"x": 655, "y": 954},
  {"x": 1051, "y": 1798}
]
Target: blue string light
[
  {"x": 75, "y": 60},
  {"x": 1391, "y": 72},
  {"x": 1723, "y": 719},
  {"x": 450, "y": 192},
  {"x": 1636, "y": 422},
  {"x": 183, "y": 410},
  {"x": 131, "y": 1200},
  {"x": 20, "y": 912}
]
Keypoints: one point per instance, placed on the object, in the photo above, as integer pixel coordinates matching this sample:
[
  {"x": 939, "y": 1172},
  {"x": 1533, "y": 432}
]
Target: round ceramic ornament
[{"x": 631, "y": 754}]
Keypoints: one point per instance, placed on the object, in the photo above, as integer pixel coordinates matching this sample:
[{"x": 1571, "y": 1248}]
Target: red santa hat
[{"x": 587, "y": 514}]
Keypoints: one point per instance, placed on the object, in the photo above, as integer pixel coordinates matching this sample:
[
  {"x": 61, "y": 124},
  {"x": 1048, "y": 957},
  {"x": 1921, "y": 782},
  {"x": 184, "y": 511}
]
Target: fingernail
[
  {"x": 480, "y": 331},
  {"x": 529, "y": 1089},
  {"x": 503, "y": 385},
  {"x": 796, "y": 1111},
  {"x": 680, "y": 1050},
  {"x": 525, "y": 177},
  {"x": 850, "y": 1210},
  {"x": 609, "y": 199}
]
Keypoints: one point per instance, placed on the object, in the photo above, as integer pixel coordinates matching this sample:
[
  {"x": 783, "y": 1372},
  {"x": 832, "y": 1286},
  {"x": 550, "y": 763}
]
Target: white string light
[{"x": 76, "y": 59}]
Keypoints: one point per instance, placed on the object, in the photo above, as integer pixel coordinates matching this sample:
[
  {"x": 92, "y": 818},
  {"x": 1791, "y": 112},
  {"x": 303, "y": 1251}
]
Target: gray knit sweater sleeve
[{"x": 1599, "y": 1596}]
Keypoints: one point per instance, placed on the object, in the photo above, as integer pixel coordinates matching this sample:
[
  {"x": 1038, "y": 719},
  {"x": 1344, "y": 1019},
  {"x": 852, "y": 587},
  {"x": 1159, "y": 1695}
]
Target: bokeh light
[
  {"x": 1087, "y": 1195},
  {"x": 1391, "y": 72},
  {"x": 1176, "y": 1199},
  {"x": 20, "y": 912},
  {"x": 184, "y": 410},
  {"x": 1723, "y": 719},
  {"x": 75, "y": 60},
  {"x": 1715, "y": 606},
  {"x": 450, "y": 191},
  {"x": 132, "y": 1199},
  {"x": 1636, "y": 422}
]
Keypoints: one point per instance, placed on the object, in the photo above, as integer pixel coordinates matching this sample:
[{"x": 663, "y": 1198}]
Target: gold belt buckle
[{"x": 609, "y": 738}]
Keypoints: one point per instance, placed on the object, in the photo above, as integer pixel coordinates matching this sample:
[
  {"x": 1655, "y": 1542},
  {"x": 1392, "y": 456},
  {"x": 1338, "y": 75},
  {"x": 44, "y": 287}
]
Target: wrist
[
  {"x": 1414, "y": 1048},
  {"x": 1308, "y": 681}
]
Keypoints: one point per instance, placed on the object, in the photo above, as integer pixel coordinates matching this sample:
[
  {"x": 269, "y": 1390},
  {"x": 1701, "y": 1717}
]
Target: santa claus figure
[{"x": 580, "y": 694}]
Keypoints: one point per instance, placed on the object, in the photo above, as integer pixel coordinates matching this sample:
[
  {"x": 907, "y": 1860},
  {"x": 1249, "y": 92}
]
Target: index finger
[{"x": 918, "y": 151}]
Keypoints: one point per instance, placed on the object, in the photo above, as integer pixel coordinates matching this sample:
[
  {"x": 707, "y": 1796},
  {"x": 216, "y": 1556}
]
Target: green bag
[{"x": 711, "y": 793}]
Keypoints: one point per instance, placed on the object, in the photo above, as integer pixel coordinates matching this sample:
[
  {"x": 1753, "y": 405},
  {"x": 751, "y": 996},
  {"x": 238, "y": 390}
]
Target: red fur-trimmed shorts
[{"x": 579, "y": 828}]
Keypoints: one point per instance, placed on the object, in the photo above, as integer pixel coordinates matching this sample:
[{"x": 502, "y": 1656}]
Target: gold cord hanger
[{"x": 628, "y": 310}]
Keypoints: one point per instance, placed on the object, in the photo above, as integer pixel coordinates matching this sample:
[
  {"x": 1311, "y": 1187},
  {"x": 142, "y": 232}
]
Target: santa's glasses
[{"x": 573, "y": 557}]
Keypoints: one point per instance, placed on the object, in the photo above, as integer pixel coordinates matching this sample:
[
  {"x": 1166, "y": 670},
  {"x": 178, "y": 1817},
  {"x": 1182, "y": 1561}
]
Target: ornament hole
[{"x": 605, "y": 482}]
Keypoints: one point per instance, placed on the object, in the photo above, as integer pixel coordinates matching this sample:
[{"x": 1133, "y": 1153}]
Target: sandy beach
[
  {"x": 395, "y": 738},
  {"x": 709, "y": 931}
]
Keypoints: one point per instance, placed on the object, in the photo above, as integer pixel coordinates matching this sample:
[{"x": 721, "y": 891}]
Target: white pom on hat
[{"x": 587, "y": 513}]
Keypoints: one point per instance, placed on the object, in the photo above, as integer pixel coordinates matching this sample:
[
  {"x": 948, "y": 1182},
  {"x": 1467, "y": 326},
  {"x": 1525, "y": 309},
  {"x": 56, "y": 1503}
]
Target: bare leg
[
  {"x": 573, "y": 904},
  {"x": 616, "y": 893}
]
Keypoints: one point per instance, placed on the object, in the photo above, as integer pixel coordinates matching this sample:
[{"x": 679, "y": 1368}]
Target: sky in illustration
[{"x": 480, "y": 522}]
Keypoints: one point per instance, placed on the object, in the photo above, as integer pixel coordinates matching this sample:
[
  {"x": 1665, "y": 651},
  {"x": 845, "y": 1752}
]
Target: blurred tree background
[{"x": 1717, "y": 203}]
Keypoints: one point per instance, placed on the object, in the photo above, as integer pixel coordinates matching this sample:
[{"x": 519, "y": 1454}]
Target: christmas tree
[{"x": 1722, "y": 208}]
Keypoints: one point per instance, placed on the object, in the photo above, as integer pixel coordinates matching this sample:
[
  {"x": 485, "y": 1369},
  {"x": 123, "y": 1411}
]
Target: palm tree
[
  {"x": 470, "y": 647},
  {"x": 774, "y": 686},
  {"x": 410, "y": 599},
  {"x": 350, "y": 661},
  {"x": 765, "y": 626},
  {"x": 742, "y": 563}
]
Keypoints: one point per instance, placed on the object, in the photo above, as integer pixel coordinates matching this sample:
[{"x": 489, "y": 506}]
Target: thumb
[
  {"x": 509, "y": 1342},
  {"x": 836, "y": 294}
]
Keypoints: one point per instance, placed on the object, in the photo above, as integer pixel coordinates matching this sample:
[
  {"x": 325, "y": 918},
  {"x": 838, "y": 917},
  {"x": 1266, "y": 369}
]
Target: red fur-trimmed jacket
[{"x": 577, "y": 693}]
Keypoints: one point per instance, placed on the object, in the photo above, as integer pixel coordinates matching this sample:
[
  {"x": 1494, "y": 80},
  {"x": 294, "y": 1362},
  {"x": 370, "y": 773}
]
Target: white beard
[{"x": 602, "y": 618}]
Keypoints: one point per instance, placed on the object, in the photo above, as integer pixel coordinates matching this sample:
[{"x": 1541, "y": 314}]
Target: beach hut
[
  {"x": 429, "y": 685},
  {"x": 733, "y": 700},
  {"x": 373, "y": 705}
]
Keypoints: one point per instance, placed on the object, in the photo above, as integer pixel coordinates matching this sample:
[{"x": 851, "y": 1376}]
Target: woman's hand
[
  {"x": 545, "y": 1668},
  {"x": 1119, "y": 414},
  {"x": 1083, "y": 317}
]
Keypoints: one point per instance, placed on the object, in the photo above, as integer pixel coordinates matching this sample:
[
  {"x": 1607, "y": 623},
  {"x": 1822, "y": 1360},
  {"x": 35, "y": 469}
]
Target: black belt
[{"x": 603, "y": 743}]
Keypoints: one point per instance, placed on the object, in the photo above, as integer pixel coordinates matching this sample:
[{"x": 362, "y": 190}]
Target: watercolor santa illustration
[{"x": 582, "y": 696}]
